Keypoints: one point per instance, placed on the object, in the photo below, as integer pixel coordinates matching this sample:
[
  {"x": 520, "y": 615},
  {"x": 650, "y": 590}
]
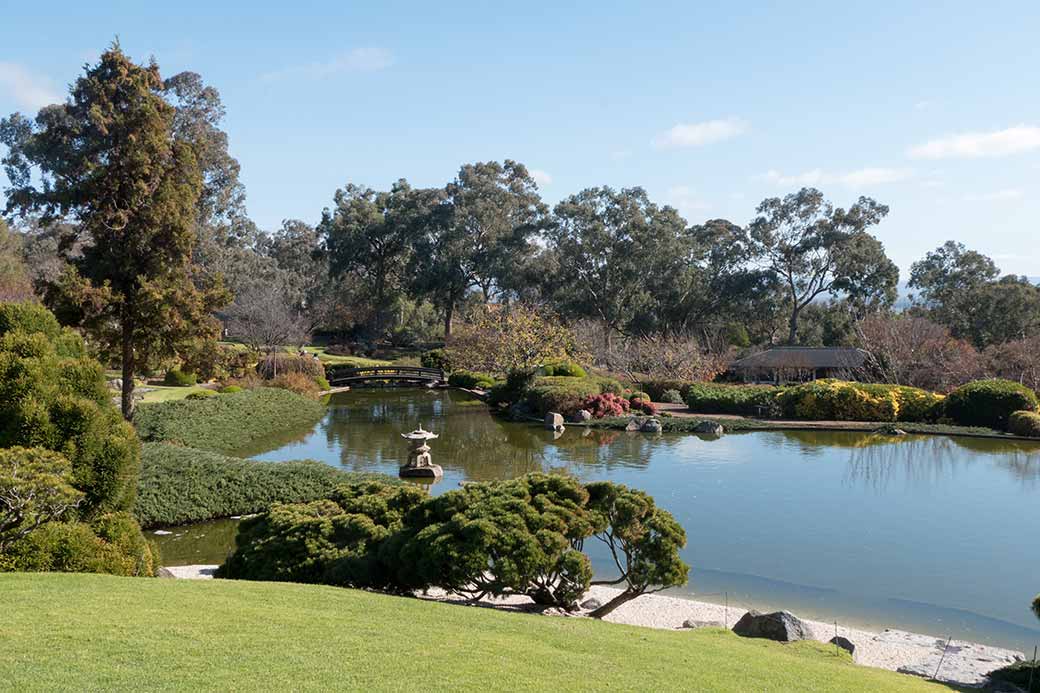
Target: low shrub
[
  {"x": 989, "y": 403},
  {"x": 1025, "y": 423},
  {"x": 744, "y": 400},
  {"x": 657, "y": 389},
  {"x": 606, "y": 405},
  {"x": 671, "y": 397},
  {"x": 643, "y": 405},
  {"x": 837, "y": 400},
  {"x": 607, "y": 384},
  {"x": 564, "y": 369},
  {"x": 471, "y": 380},
  {"x": 1019, "y": 674},
  {"x": 436, "y": 358},
  {"x": 180, "y": 485},
  {"x": 34, "y": 488},
  {"x": 178, "y": 378},
  {"x": 112, "y": 543},
  {"x": 201, "y": 394},
  {"x": 211, "y": 360},
  {"x": 228, "y": 389},
  {"x": 280, "y": 363},
  {"x": 323, "y": 383},
  {"x": 300, "y": 383},
  {"x": 561, "y": 394},
  {"x": 228, "y": 423}
]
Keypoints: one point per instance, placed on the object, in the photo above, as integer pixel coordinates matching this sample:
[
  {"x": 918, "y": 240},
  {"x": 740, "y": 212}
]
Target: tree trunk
[
  {"x": 128, "y": 367},
  {"x": 792, "y": 335},
  {"x": 449, "y": 314},
  {"x": 622, "y": 598}
]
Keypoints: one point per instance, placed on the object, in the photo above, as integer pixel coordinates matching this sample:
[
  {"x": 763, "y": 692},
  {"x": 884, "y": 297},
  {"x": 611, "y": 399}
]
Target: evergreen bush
[
  {"x": 745, "y": 400},
  {"x": 1025, "y": 423},
  {"x": 989, "y": 403},
  {"x": 175, "y": 377}
]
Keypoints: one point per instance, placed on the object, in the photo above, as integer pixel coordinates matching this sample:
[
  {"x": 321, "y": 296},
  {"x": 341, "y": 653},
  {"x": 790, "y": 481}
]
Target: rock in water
[
  {"x": 651, "y": 426},
  {"x": 633, "y": 425},
  {"x": 554, "y": 421},
  {"x": 709, "y": 428},
  {"x": 843, "y": 643},
  {"x": 782, "y": 626}
]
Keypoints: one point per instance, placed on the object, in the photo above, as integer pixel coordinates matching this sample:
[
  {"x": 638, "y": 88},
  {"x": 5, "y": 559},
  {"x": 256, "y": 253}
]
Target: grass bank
[
  {"x": 92, "y": 632},
  {"x": 179, "y": 485},
  {"x": 228, "y": 422}
]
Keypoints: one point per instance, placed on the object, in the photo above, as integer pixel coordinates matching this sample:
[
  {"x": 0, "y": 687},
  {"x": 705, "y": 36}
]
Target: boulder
[
  {"x": 690, "y": 623},
  {"x": 581, "y": 416},
  {"x": 553, "y": 421},
  {"x": 709, "y": 428},
  {"x": 591, "y": 604},
  {"x": 843, "y": 643},
  {"x": 633, "y": 425},
  {"x": 651, "y": 426},
  {"x": 782, "y": 626}
]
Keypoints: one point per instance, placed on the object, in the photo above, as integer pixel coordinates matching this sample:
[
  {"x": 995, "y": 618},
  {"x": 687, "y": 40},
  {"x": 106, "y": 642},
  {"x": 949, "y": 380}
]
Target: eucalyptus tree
[
  {"x": 815, "y": 249},
  {"x": 110, "y": 161}
]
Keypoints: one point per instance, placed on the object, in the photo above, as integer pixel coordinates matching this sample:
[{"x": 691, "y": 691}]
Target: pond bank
[{"x": 962, "y": 663}]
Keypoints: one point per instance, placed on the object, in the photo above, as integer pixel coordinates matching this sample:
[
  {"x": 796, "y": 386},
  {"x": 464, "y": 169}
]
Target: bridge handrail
[{"x": 376, "y": 372}]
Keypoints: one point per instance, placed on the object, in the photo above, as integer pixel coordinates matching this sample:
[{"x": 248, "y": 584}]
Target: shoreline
[{"x": 953, "y": 662}]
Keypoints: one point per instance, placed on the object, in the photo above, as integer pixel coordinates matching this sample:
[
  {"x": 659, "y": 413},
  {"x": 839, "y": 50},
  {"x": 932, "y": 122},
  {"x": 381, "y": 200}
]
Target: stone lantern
[{"x": 419, "y": 463}]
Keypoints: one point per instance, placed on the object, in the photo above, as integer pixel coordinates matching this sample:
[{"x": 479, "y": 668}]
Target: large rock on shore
[
  {"x": 554, "y": 421},
  {"x": 782, "y": 626},
  {"x": 709, "y": 428}
]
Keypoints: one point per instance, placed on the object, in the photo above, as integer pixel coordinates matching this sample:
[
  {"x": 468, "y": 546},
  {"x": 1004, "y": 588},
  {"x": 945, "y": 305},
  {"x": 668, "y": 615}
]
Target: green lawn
[
  {"x": 334, "y": 360},
  {"x": 91, "y": 632}
]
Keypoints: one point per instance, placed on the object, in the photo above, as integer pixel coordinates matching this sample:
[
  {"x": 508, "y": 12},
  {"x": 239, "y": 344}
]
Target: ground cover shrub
[
  {"x": 227, "y": 423},
  {"x": 657, "y": 389},
  {"x": 201, "y": 394},
  {"x": 300, "y": 383},
  {"x": 180, "y": 485},
  {"x": 280, "y": 363},
  {"x": 565, "y": 369},
  {"x": 228, "y": 389},
  {"x": 989, "y": 403},
  {"x": 1025, "y": 423},
  {"x": 471, "y": 380},
  {"x": 837, "y": 400},
  {"x": 671, "y": 397},
  {"x": 744, "y": 400},
  {"x": 177, "y": 378}
]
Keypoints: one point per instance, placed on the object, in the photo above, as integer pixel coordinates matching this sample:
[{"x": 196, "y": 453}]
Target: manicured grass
[
  {"x": 92, "y": 632},
  {"x": 227, "y": 422},
  {"x": 353, "y": 361},
  {"x": 180, "y": 485},
  {"x": 166, "y": 393}
]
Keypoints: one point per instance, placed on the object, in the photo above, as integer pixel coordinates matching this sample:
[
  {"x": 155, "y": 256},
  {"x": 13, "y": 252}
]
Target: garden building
[{"x": 800, "y": 364}]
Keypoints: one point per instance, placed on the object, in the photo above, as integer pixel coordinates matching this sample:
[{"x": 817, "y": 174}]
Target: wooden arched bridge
[{"x": 385, "y": 375}]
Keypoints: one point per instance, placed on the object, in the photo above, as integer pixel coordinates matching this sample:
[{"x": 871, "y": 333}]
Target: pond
[{"x": 930, "y": 534}]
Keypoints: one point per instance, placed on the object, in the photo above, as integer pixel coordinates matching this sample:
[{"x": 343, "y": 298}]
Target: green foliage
[
  {"x": 836, "y": 400},
  {"x": 34, "y": 489},
  {"x": 201, "y": 394},
  {"x": 1019, "y": 674},
  {"x": 180, "y": 485},
  {"x": 513, "y": 537},
  {"x": 229, "y": 389},
  {"x": 745, "y": 400},
  {"x": 178, "y": 378},
  {"x": 671, "y": 397},
  {"x": 566, "y": 369},
  {"x": 278, "y": 363},
  {"x": 1025, "y": 423},
  {"x": 228, "y": 423},
  {"x": 643, "y": 539},
  {"x": 657, "y": 388},
  {"x": 57, "y": 400},
  {"x": 436, "y": 358},
  {"x": 561, "y": 394},
  {"x": 471, "y": 380},
  {"x": 335, "y": 541},
  {"x": 322, "y": 382},
  {"x": 112, "y": 543},
  {"x": 989, "y": 403}
]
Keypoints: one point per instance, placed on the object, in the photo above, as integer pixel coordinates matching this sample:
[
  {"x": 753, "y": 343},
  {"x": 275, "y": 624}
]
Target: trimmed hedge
[
  {"x": 566, "y": 395},
  {"x": 565, "y": 369},
  {"x": 180, "y": 485},
  {"x": 657, "y": 389},
  {"x": 471, "y": 380},
  {"x": 1025, "y": 423},
  {"x": 744, "y": 400},
  {"x": 227, "y": 423},
  {"x": 989, "y": 403},
  {"x": 837, "y": 400},
  {"x": 178, "y": 378}
]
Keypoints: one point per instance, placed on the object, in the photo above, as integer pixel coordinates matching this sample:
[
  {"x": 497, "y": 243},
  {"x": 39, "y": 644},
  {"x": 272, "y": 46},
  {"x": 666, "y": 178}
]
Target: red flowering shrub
[
  {"x": 643, "y": 405},
  {"x": 608, "y": 404}
]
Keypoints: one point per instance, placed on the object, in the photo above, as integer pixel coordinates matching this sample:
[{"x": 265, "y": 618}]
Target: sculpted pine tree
[{"x": 109, "y": 160}]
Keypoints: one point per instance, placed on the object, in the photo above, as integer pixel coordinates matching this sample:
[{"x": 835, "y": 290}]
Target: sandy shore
[{"x": 957, "y": 662}]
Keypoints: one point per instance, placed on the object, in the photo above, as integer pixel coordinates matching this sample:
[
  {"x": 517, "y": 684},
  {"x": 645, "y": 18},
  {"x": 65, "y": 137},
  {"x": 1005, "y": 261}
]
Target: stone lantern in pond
[{"x": 419, "y": 461}]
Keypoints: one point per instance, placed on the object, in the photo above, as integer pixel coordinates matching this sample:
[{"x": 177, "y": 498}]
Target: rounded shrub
[
  {"x": 201, "y": 394},
  {"x": 564, "y": 369},
  {"x": 436, "y": 358},
  {"x": 746, "y": 400},
  {"x": 471, "y": 380},
  {"x": 113, "y": 544},
  {"x": 228, "y": 389},
  {"x": 671, "y": 397},
  {"x": 562, "y": 395},
  {"x": 989, "y": 403},
  {"x": 280, "y": 363},
  {"x": 178, "y": 378},
  {"x": 1025, "y": 423}
]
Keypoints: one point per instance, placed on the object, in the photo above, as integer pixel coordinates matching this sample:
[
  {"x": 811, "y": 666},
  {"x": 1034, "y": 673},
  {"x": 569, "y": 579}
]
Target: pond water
[{"x": 930, "y": 534}]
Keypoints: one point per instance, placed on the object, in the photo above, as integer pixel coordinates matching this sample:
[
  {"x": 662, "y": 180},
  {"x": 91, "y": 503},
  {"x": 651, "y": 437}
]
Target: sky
[{"x": 932, "y": 108}]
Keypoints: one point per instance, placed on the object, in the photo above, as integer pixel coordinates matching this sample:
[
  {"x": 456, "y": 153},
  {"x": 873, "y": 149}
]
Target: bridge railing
[{"x": 339, "y": 375}]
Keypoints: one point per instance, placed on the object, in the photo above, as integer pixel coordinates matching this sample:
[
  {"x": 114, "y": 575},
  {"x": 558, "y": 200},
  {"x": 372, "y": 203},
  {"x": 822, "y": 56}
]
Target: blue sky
[{"x": 931, "y": 108}]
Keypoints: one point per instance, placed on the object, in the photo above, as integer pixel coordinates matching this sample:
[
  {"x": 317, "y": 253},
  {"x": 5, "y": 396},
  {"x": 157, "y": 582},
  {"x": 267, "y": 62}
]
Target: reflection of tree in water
[
  {"x": 919, "y": 460},
  {"x": 274, "y": 441}
]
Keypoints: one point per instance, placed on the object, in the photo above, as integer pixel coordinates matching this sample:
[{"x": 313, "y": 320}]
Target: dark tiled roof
[{"x": 805, "y": 358}]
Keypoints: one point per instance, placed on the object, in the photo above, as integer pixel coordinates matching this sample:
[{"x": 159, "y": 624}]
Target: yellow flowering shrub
[{"x": 837, "y": 400}]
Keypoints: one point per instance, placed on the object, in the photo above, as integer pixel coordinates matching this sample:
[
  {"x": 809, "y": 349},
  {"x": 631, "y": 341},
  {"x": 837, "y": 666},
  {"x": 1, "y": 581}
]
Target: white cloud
[
  {"x": 367, "y": 59},
  {"x": 996, "y": 196},
  {"x": 860, "y": 178},
  {"x": 541, "y": 177},
  {"x": 699, "y": 134},
  {"x": 29, "y": 90},
  {"x": 973, "y": 145},
  {"x": 685, "y": 199},
  {"x": 922, "y": 105}
]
